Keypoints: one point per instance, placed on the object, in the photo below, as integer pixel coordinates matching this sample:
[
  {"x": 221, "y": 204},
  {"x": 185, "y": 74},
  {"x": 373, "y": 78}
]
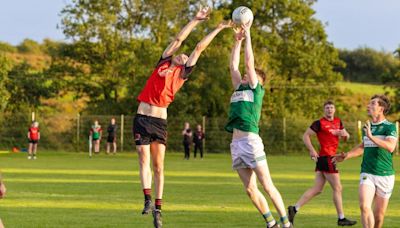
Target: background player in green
[
  {"x": 247, "y": 149},
  {"x": 377, "y": 173}
]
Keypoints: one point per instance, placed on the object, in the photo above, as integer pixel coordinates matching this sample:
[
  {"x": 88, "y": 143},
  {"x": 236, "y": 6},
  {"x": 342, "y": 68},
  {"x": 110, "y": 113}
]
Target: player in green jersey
[
  {"x": 247, "y": 149},
  {"x": 377, "y": 173}
]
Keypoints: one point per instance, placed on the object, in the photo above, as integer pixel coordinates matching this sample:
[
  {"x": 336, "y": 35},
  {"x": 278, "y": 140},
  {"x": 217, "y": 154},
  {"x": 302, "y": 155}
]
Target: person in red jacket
[
  {"x": 329, "y": 129},
  {"x": 33, "y": 138},
  {"x": 150, "y": 122}
]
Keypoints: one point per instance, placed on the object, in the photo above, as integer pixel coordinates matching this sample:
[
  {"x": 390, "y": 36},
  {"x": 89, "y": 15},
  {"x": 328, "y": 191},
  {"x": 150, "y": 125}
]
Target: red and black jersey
[
  {"x": 33, "y": 133},
  {"x": 328, "y": 142},
  {"x": 164, "y": 83}
]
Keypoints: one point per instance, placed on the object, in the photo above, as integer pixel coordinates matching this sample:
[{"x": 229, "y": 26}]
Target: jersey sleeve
[
  {"x": 391, "y": 132},
  {"x": 186, "y": 71},
  {"x": 341, "y": 127},
  {"x": 164, "y": 60},
  {"x": 316, "y": 126}
]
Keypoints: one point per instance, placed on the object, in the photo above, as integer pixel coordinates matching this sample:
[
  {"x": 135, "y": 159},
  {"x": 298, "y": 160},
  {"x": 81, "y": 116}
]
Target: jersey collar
[{"x": 372, "y": 123}]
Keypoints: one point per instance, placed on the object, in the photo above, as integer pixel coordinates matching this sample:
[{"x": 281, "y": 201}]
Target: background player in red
[
  {"x": 33, "y": 138},
  {"x": 328, "y": 130},
  {"x": 150, "y": 123}
]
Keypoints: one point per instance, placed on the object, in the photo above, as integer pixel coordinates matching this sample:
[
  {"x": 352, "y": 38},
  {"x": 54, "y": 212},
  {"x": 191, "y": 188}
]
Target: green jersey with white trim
[
  {"x": 245, "y": 108},
  {"x": 376, "y": 160}
]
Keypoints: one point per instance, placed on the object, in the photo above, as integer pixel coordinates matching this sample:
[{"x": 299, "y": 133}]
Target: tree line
[{"x": 113, "y": 46}]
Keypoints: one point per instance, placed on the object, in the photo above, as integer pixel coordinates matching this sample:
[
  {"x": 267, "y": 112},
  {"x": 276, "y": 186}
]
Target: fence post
[
  {"x": 359, "y": 131},
  {"x": 204, "y": 131},
  {"x": 122, "y": 133},
  {"x": 78, "y": 130},
  {"x": 284, "y": 135},
  {"x": 397, "y": 130}
]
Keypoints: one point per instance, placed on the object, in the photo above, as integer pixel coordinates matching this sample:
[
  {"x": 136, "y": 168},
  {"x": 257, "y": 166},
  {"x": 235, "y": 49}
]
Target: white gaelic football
[{"x": 242, "y": 15}]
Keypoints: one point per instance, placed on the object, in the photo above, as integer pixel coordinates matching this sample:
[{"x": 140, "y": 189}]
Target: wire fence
[{"x": 71, "y": 133}]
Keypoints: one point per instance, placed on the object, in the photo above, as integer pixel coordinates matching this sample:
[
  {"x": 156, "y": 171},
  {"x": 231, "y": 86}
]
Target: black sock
[
  {"x": 147, "y": 193},
  {"x": 158, "y": 204}
]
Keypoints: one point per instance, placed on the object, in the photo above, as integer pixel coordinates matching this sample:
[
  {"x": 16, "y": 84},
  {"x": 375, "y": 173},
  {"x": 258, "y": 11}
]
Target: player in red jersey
[
  {"x": 328, "y": 130},
  {"x": 150, "y": 123},
  {"x": 33, "y": 138}
]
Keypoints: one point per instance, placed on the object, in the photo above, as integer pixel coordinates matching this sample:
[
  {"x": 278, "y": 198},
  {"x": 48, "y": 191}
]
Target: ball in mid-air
[{"x": 242, "y": 15}]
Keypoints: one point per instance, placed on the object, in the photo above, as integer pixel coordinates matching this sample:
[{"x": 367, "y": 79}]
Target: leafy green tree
[
  {"x": 29, "y": 46},
  {"x": 368, "y": 65},
  {"x": 5, "y": 66}
]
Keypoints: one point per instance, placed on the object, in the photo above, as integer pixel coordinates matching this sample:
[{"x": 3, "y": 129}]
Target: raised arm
[
  {"x": 235, "y": 58},
  {"x": 249, "y": 56},
  {"x": 203, "y": 44},
  {"x": 201, "y": 15},
  {"x": 388, "y": 143},
  {"x": 307, "y": 141}
]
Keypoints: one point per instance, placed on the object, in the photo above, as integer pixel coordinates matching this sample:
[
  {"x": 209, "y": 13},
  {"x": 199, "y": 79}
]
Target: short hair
[
  {"x": 383, "y": 101},
  {"x": 261, "y": 74},
  {"x": 329, "y": 102}
]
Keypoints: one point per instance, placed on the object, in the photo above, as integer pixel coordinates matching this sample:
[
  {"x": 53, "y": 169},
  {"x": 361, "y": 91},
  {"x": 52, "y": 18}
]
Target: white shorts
[
  {"x": 383, "y": 185},
  {"x": 248, "y": 152}
]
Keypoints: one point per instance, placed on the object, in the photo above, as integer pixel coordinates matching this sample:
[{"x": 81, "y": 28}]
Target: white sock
[
  {"x": 297, "y": 207},
  {"x": 341, "y": 216}
]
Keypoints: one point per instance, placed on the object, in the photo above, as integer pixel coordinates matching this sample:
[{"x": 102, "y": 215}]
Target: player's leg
[
  {"x": 115, "y": 146},
  {"x": 384, "y": 189},
  {"x": 201, "y": 150},
  {"x": 145, "y": 175},
  {"x": 158, "y": 155},
  {"x": 248, "y": 178},
  {"x": 108, "y": 147},
  {"x": 195, "y": 150},
  {"x": 319, "y": 183},
  {"x": 366, "y": 196},
  {"x": 34, "y": 149},
  {"x": 265, "y": 179},
  {"x": 380, "y": 210},
  {"x": 334, "y": 181},
  {"x": 30, "y": 145},
  {"x": 1, "y": 224}
]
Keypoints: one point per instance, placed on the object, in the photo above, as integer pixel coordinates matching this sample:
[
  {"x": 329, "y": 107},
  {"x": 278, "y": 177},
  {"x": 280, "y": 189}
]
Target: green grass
[
  {"x": 71, "y": 190},
  {"x": 364, "y": 88}
]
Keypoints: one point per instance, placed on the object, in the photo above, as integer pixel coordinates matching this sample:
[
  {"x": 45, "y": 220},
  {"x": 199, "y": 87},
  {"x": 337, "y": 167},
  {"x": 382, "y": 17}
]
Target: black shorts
[
  {"x": 325, "y": 165},
  {"x": 147, "y": 129},
  {"x": 111, "y": 139},
  {"x": 33, "y": 141}
]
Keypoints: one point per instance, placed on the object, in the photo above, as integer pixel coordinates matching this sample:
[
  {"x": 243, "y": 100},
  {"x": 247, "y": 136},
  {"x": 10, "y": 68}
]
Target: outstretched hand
[
  {"x": 246, "y": 27},
  {"x": 367, "y": 129},
  {"x": 339, "y": 157},
  {"x": 225, "y": 24},
  {"x": 239, "y": 34},
  {"x": 203, "y": 13}
]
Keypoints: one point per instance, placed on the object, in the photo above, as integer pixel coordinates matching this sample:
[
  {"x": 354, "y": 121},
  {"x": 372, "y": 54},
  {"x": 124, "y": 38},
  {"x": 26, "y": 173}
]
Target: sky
[{"x": 349, "y": 23}]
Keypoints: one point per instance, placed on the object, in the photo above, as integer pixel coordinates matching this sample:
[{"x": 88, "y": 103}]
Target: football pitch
[{"x": 71, "y": 190}]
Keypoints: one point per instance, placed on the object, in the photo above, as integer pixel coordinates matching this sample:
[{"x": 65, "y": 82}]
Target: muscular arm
[
  {"x": 249, "y": 60},
  {"x": 203, "y": 44},
  {"x": 307, "y": 141},
  {"x": 184, "y": 33},
  {"x": 355, "y": 152},
  {"x": 234, "y": 65},
  {"x": 388, "y": 144}
]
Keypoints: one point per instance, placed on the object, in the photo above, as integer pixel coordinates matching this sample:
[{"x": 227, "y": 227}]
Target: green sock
[
  {"x": 285, "y": 221},
  {"x": 269, "y": 219}
]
